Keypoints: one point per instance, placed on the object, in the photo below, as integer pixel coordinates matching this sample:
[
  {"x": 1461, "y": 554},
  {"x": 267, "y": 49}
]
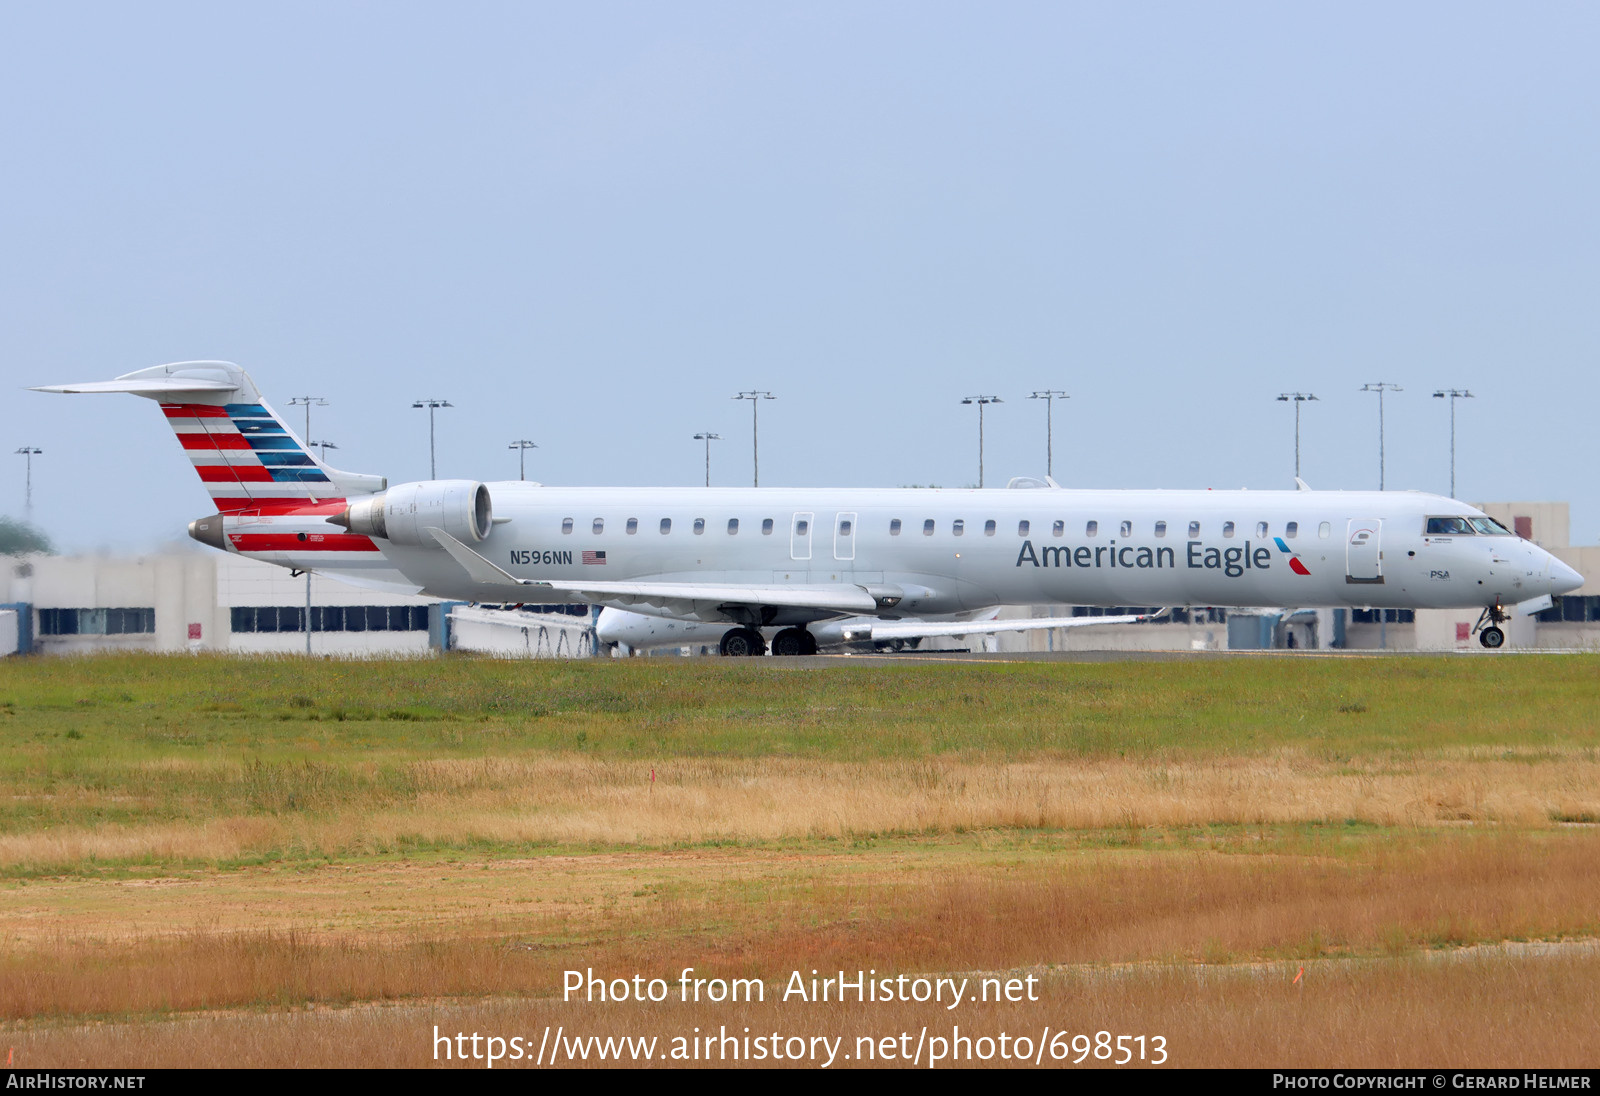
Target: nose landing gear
[{"x": 1488, "y": 627}]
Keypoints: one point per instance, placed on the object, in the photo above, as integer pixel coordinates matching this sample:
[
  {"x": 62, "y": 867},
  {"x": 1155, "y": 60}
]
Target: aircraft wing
[
  {"x": 677, "y": 598},
  {"x": 878, "y": 631}
]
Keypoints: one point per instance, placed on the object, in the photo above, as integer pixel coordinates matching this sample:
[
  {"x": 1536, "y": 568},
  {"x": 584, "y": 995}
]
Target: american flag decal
[{"x": 595, "y": 557}]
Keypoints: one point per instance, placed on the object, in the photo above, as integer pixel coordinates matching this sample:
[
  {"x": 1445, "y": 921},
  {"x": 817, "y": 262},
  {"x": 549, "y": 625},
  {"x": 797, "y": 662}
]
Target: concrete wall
[
  {"x": 1552, "y": 521},
  {"x": 1585, "y": 561},
  {"x": 248, "y": 582},
  {"x": 193, "y": 594},
  {"x": 8, "y": 632},
  {"x": 180, "y": 587}
]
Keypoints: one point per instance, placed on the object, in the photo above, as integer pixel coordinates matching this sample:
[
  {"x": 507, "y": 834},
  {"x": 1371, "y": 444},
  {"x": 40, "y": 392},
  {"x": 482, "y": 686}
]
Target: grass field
[{"x": 287, "y": 861}]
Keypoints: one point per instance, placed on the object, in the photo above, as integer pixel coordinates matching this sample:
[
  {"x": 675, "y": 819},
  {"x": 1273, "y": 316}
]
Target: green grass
[
  {"x": 138, "y": 739},
  {"x": 64, "y": 711}
]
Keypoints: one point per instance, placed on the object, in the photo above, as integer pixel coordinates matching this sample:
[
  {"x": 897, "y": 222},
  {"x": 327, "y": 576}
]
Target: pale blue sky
[{"x": 590, "y": 225}]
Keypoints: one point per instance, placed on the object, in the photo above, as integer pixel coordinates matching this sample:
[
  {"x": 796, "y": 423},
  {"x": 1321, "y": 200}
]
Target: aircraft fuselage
[{"x": 950, "y": 551}]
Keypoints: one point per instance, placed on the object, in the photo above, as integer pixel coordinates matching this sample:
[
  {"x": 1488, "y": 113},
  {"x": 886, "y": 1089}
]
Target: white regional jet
[{"x": 794, "y": 557}]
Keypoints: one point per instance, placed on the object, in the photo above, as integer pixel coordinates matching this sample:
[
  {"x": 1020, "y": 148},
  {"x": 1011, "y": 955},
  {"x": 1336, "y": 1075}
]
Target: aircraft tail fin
[{"x": 243, "y": 451}]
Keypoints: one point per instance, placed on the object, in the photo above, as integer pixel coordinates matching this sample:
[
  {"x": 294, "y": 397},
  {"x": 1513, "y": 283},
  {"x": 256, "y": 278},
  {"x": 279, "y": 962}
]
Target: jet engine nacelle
[{"x": 404, "y": 514}]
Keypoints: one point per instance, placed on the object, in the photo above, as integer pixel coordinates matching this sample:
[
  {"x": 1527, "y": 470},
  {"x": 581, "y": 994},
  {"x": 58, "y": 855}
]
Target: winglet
[{"x": 478, "y": 568}]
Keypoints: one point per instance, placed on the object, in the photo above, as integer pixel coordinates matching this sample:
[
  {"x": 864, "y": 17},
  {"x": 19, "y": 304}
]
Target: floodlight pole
[
  {"x": 1454, "y": 394},
  {"x": 522, "y": 445},
  {"x": 28, "y": 452},
  {"x": 1297, "y": 398},
  {"x": 308, "y": 402},
  {"x": 1380, "y": 388},
  {"x": 432, "y": 406},
  {"x": 1049, "y": 396},
  {"x": 754, "y": 396},
  {"x": 708, "y": 438},
  {"x": 981, "y": 401}
]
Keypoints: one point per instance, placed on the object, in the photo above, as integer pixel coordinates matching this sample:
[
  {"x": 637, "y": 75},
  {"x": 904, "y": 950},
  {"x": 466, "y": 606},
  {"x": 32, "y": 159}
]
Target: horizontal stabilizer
[{"x": 157, "y": 387}]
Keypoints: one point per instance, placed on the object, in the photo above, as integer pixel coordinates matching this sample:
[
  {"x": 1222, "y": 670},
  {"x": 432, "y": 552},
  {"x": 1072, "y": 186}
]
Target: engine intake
[{"x": 404, "y": 514}]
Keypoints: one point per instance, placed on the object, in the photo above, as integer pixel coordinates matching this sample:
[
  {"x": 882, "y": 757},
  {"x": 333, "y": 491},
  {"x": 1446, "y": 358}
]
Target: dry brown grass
[
  {"x": 565, "y": 800},
  {"x": 1481, "y": 1012},
  {"x": 422, "y": 930}
]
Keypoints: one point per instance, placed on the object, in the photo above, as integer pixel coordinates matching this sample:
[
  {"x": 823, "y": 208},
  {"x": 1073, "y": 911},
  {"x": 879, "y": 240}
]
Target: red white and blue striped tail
[{"x": 243, "y": 451}]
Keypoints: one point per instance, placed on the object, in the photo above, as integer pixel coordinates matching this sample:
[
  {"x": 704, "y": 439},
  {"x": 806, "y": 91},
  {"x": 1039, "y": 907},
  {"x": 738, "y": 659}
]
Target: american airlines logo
[{"x": 1294, "y": 558}]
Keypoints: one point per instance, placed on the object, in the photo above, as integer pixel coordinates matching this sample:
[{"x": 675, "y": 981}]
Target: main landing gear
[
  {"x": 742, "y": 643},
  {"x": 794, "y": 641},
  {"x": 746, "y": 642},
  {"x": 1491, "y": 636}
]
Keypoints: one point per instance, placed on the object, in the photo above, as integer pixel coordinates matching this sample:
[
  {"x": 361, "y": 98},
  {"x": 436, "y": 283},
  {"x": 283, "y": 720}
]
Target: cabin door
[{"x": 1363, "y": 551}]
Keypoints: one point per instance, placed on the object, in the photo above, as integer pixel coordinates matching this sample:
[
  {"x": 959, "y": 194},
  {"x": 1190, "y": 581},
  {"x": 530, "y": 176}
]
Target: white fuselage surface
[{"x": 947, "y": 551}]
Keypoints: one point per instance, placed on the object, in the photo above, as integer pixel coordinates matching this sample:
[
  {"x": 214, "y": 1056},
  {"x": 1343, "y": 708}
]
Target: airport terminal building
[{"x": 192, "y": 599}]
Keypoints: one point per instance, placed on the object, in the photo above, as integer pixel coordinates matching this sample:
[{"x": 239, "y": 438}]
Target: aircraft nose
[{"x": 1563, "y": 579}]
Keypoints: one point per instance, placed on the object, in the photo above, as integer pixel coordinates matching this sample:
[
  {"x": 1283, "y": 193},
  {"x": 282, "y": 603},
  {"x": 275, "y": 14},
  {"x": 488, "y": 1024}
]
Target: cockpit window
[
  {"x": 1489, "y": 527},
  {"x": 1449, "y": 527}
]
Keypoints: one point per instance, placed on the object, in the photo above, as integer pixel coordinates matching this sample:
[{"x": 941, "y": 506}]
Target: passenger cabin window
[
  {"x": 666, "y": 526},
  {"x": 1227, "y": 528},
  {"x": 733, "y": 527},
  {"x": 1324, "y": 529},
  {"x": 988, "y": 528},
  {"x": 1161, "y": 528},
  {"x": 957, "y": 527},
  {"x": 1127, "y": 529},
  {"x": 566, "y": 525},
  {"x": 766, "y": 527},
  {"x": 1449, "y": 527},
  {"x": 699, "y": 526},
  {"x": 844, "y": 528},
  {"x": 1194, "y": 529},
  {"x": 1059, "y": 529},
  {"x": 1261, "y": 530},
  {"x": 927, "y": 528},
  {"x": 1092, "y": 529},
  {"x": 1291, "y": 530},
  {"x": 1022, "y": 528},
  {"x": 599, "y": 526},
  {"x": 894, "y": 527},
  {"x": 633, "y": 526},
  {"x": 801, "y": 527}
]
